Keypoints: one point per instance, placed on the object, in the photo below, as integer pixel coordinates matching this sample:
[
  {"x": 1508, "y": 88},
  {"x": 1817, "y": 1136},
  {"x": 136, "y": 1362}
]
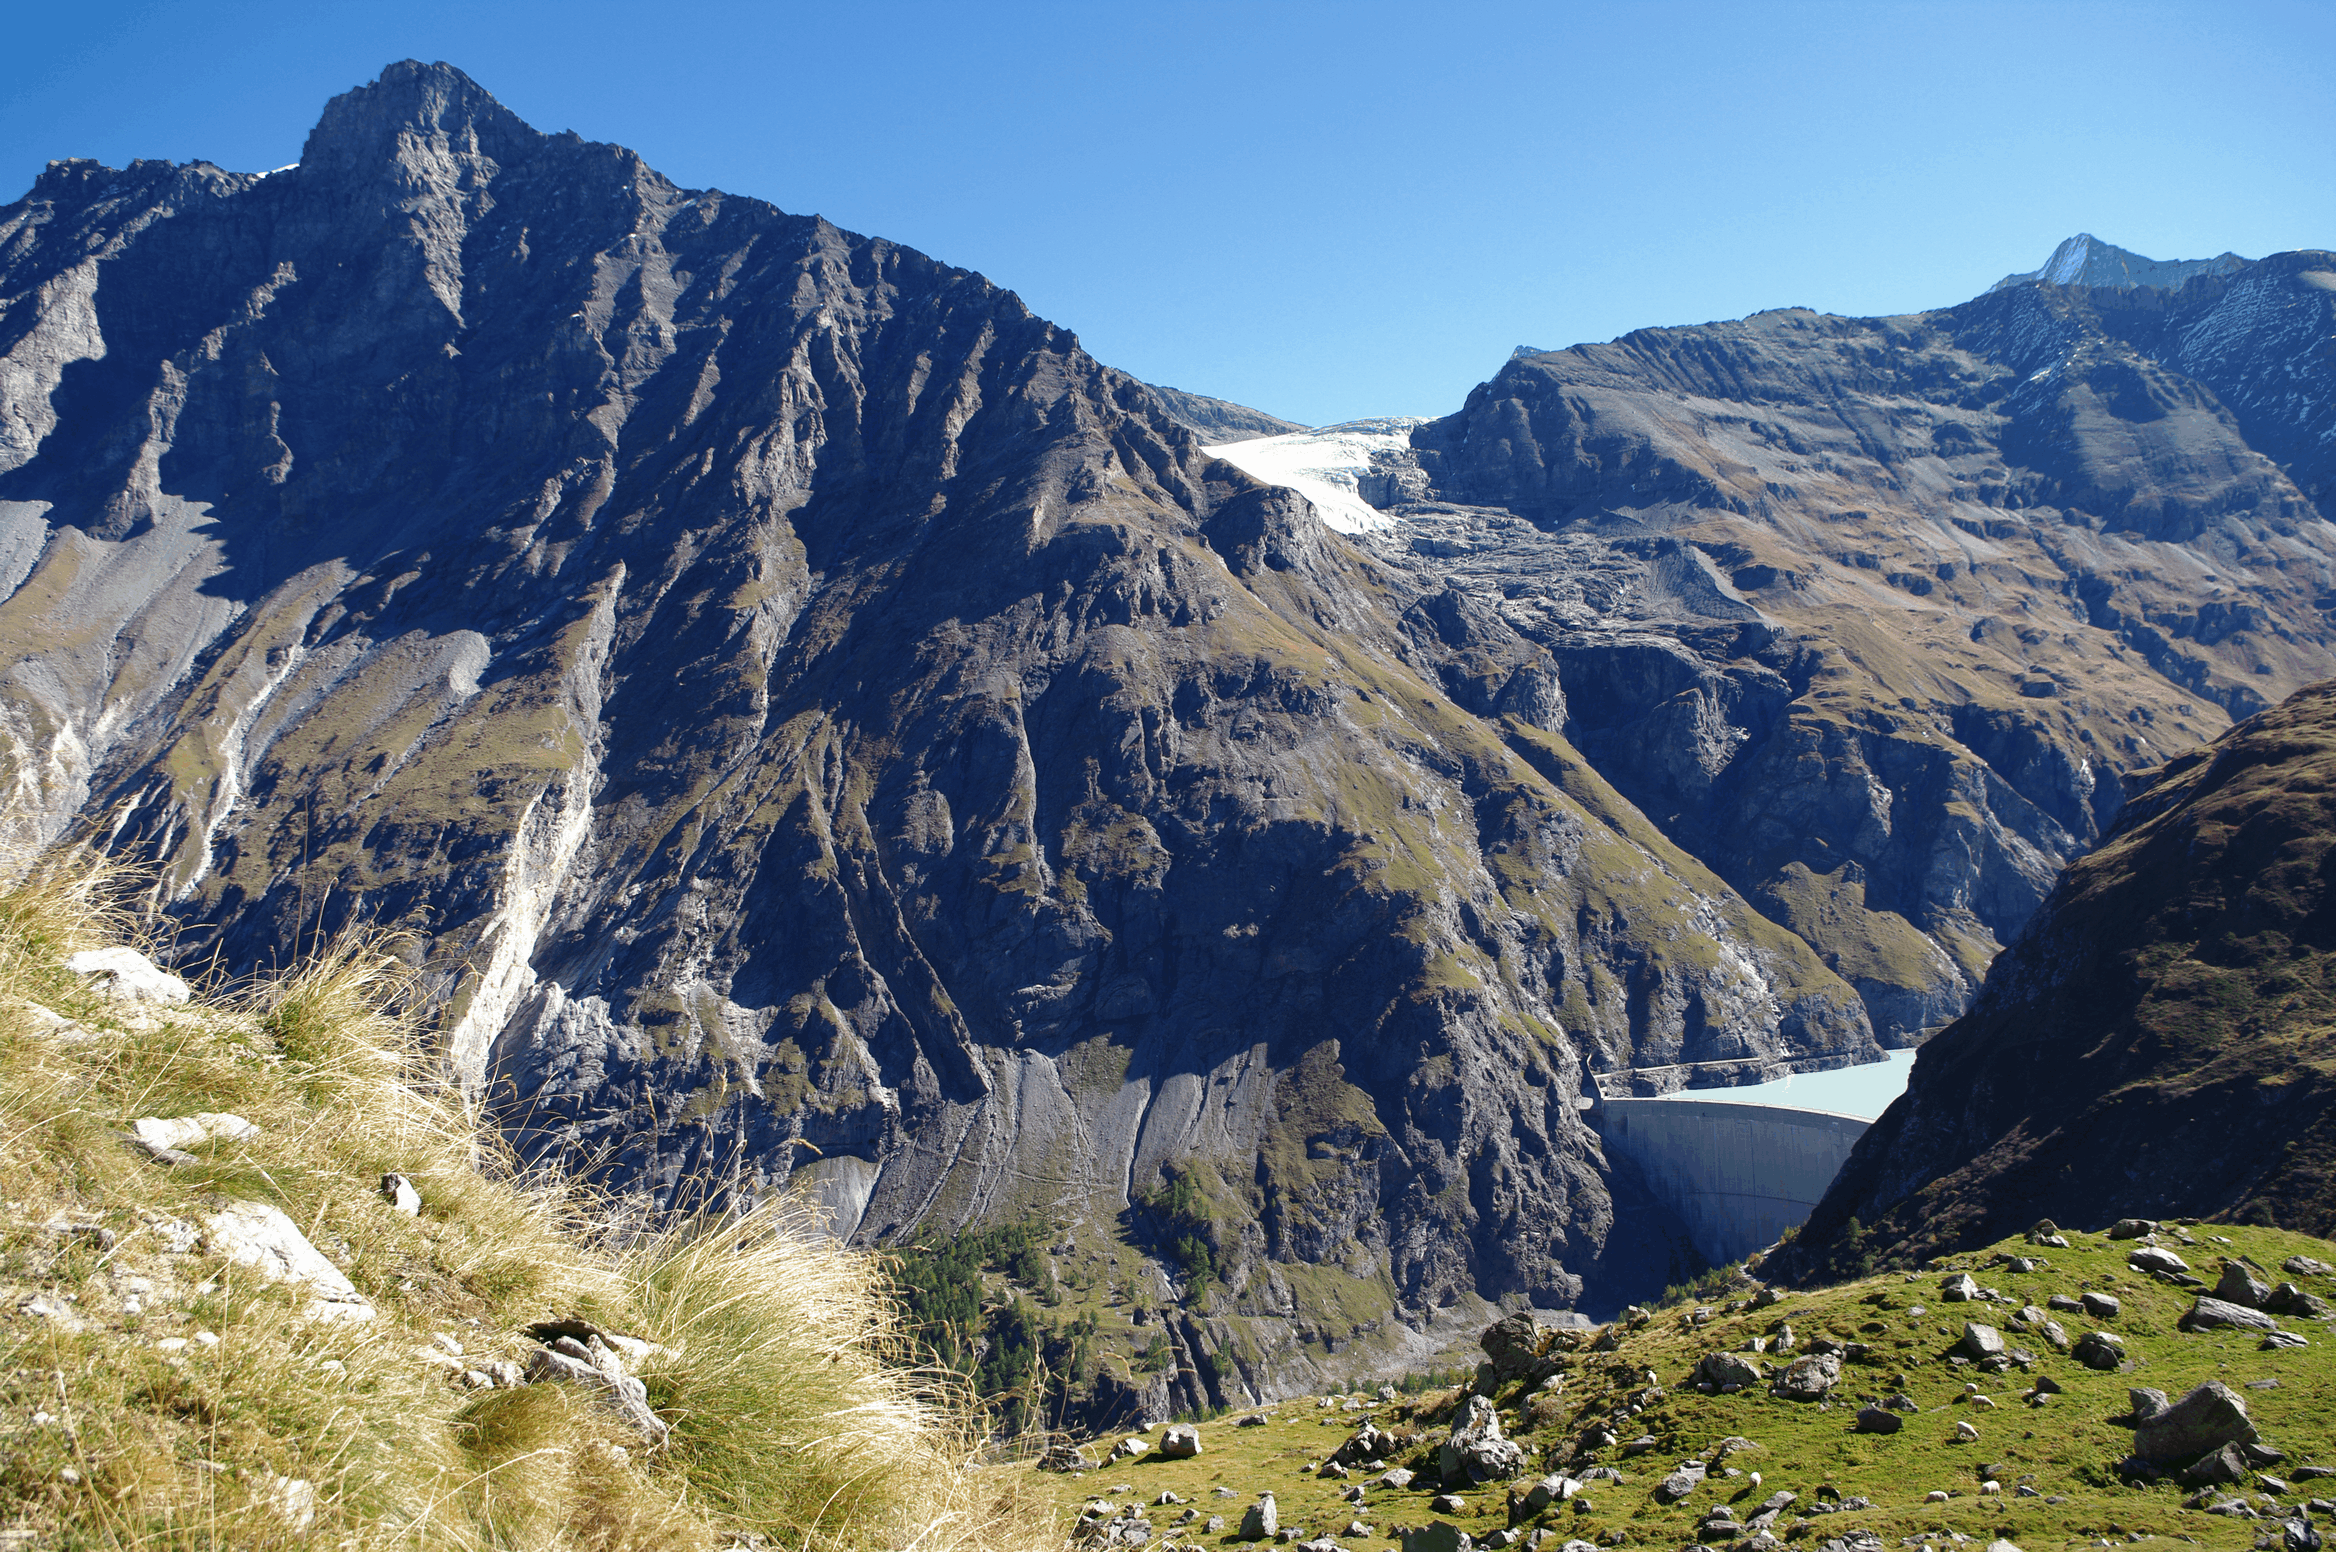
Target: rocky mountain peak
[
  {"x": 2085, "y": 260},
  {"x": 418, "y": 118}
]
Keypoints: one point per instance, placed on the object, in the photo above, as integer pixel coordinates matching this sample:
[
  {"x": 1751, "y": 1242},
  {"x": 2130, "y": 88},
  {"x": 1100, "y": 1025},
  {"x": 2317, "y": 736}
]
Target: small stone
[
  {"x": 2156, "y": 1258},
  {"x": 2239, "y": 1285},
  {"x": 1262, "y": 1519},
  {"x": 2102, "y": 1306},
  {"x": 2063, "y": 1303},
  {"x": 1448, "y": 1503},
  {"x": 1959, "y": 1289},
  {"x": 2132, "y": 1228},
  {"x": 2305, "y": 1266}
]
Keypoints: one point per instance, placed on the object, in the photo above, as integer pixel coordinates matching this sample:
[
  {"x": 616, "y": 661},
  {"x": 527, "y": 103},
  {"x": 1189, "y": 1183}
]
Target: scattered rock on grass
[
  {"x": 598, "y": 1367},
  {"x": 1808, "y": 1379},
  {"x": 2212, "y": 1314},
  {"x": 127, "y": 975},
  {"x": 1261, "y": 1520},
  {"x": 1874, "y": 1419},
  {"x": 2156, "y": 1258},
  {"x": 2209, "y": 1417},
  {"x": 2099, "y": 1350},
  {"x": 256, "y": 1235},
  {"x": 1066, "y": 1457},
  {"x": 1180, "y": 1442}
]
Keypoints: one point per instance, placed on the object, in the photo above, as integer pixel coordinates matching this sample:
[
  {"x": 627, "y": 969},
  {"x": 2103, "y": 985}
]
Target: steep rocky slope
[
  {"x": 1954, "y": 576},
  {"x": 2163, "y": 1039},
  {"x": 817, "y": 724}
]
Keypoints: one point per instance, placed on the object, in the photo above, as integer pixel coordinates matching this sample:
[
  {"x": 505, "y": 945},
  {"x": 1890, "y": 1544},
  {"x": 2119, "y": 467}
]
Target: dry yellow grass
[{"x": 153, "y": 1398}]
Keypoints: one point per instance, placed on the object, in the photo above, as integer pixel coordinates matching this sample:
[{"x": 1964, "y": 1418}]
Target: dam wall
[{"x": 1738, "y": 1175}]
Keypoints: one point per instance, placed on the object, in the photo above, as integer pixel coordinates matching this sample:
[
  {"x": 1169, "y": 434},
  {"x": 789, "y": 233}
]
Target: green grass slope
[{"x": 2065, "y": 1452}]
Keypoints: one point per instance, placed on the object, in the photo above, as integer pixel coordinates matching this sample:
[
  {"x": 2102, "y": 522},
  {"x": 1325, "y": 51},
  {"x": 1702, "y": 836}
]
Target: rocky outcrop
[
  {"x": 2155, "y": 1044},
  {"x": 819, "y": 728}
]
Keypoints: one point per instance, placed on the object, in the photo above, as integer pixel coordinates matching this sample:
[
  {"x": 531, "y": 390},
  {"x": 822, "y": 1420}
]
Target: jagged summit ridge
[{"x": 2085, "y": 260}]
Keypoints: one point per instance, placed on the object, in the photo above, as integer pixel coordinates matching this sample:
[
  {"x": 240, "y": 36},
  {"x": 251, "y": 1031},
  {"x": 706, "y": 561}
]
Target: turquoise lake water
[{"x": 1864, "y": 1092}]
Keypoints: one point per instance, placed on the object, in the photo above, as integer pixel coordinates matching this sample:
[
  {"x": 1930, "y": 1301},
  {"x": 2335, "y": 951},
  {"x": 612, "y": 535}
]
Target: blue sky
[{"x": 1328, "y": 211}]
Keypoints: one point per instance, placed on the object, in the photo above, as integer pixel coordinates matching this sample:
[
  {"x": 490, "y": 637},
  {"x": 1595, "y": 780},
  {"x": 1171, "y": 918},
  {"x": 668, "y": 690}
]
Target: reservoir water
[{"x": 1864, "y": 1092}]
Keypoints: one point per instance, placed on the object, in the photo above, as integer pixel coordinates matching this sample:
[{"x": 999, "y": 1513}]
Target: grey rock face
[{"x": 792, "y": 695}]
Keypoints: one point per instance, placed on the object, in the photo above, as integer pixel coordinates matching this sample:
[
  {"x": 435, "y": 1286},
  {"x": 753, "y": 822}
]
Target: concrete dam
[{"x": 1741, "y": 1170}]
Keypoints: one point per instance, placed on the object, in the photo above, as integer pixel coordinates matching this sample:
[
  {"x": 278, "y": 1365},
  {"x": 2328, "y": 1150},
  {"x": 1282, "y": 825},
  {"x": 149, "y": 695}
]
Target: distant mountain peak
[{"x": 2085, "y": 260}]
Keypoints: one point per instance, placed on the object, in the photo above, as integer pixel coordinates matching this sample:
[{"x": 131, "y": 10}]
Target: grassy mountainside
[
  {"x": 160, "y": 1394},
  {"x": 2065, "y": 1453},
  {"x": 2163, "y": 1039}
]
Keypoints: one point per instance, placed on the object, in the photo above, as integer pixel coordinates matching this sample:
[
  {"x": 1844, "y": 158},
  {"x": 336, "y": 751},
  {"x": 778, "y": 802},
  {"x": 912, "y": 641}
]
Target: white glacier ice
[{"x": 1325, "y": 465}]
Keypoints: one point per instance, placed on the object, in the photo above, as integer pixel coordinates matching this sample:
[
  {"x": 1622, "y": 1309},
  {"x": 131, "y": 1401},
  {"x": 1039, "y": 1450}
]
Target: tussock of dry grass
[{"x": 786, "y": 1421}]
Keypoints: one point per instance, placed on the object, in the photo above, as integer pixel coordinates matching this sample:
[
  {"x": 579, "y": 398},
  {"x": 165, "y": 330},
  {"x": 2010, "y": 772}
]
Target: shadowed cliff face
[
  {"x": 816, "y": 724},
  {"x": 2158, "y": 1043},
  {"x": 1875, "y": 615}
]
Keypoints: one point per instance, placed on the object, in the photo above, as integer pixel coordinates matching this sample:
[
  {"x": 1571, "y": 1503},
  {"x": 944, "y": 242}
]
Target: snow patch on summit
[{"x": 1326, "y": 466}]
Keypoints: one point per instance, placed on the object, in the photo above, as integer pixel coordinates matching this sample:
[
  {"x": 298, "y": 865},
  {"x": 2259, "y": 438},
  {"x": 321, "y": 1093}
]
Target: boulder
[
  {"x": 1261, "y": 1521},
  {"x": 1725, "y": 1369},
  {"x": 1519, "y": 1346},
  {"x": 1180, "y": 1442},
  {"x": 1066, "y": 1457},
  {"x": 1959, "y": 1289},
  {"x": 2212, "y": 1314},
  {"x": 2224, "y": 1467},
  {"x": 256, "y": 1235},
  {"x": 2132, "y": 1228},
  {"x": 1980, "y": 1341},
  {"x": 2145, "y": 1402},
  {"x": 2099, "y": 1350},
  {"x": 1435, "y": 1536},
  {"x": 127, "y": 975},
  {"x": 1396, "y": 1477},
  {"x": 2305, "y": 1266},
  {"x": 2208, "y": 1418},
  {"x": 1808, "y": 1379},
  {"x": 1476, "y": 1450},
  {"x": 2101, "y": 1306},
  {"x": 2156, "y": 1258},
  {"x": 1369, "y": 1442},
  {"x": 2288, "y": 1299},
  {"x": 2239, "y": 1285},
  {"x": 1680, "y": 1483}
]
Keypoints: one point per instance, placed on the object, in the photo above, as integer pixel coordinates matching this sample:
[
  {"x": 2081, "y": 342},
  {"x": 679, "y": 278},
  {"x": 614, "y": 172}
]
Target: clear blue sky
[{"x": 1327, "y": 210}]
